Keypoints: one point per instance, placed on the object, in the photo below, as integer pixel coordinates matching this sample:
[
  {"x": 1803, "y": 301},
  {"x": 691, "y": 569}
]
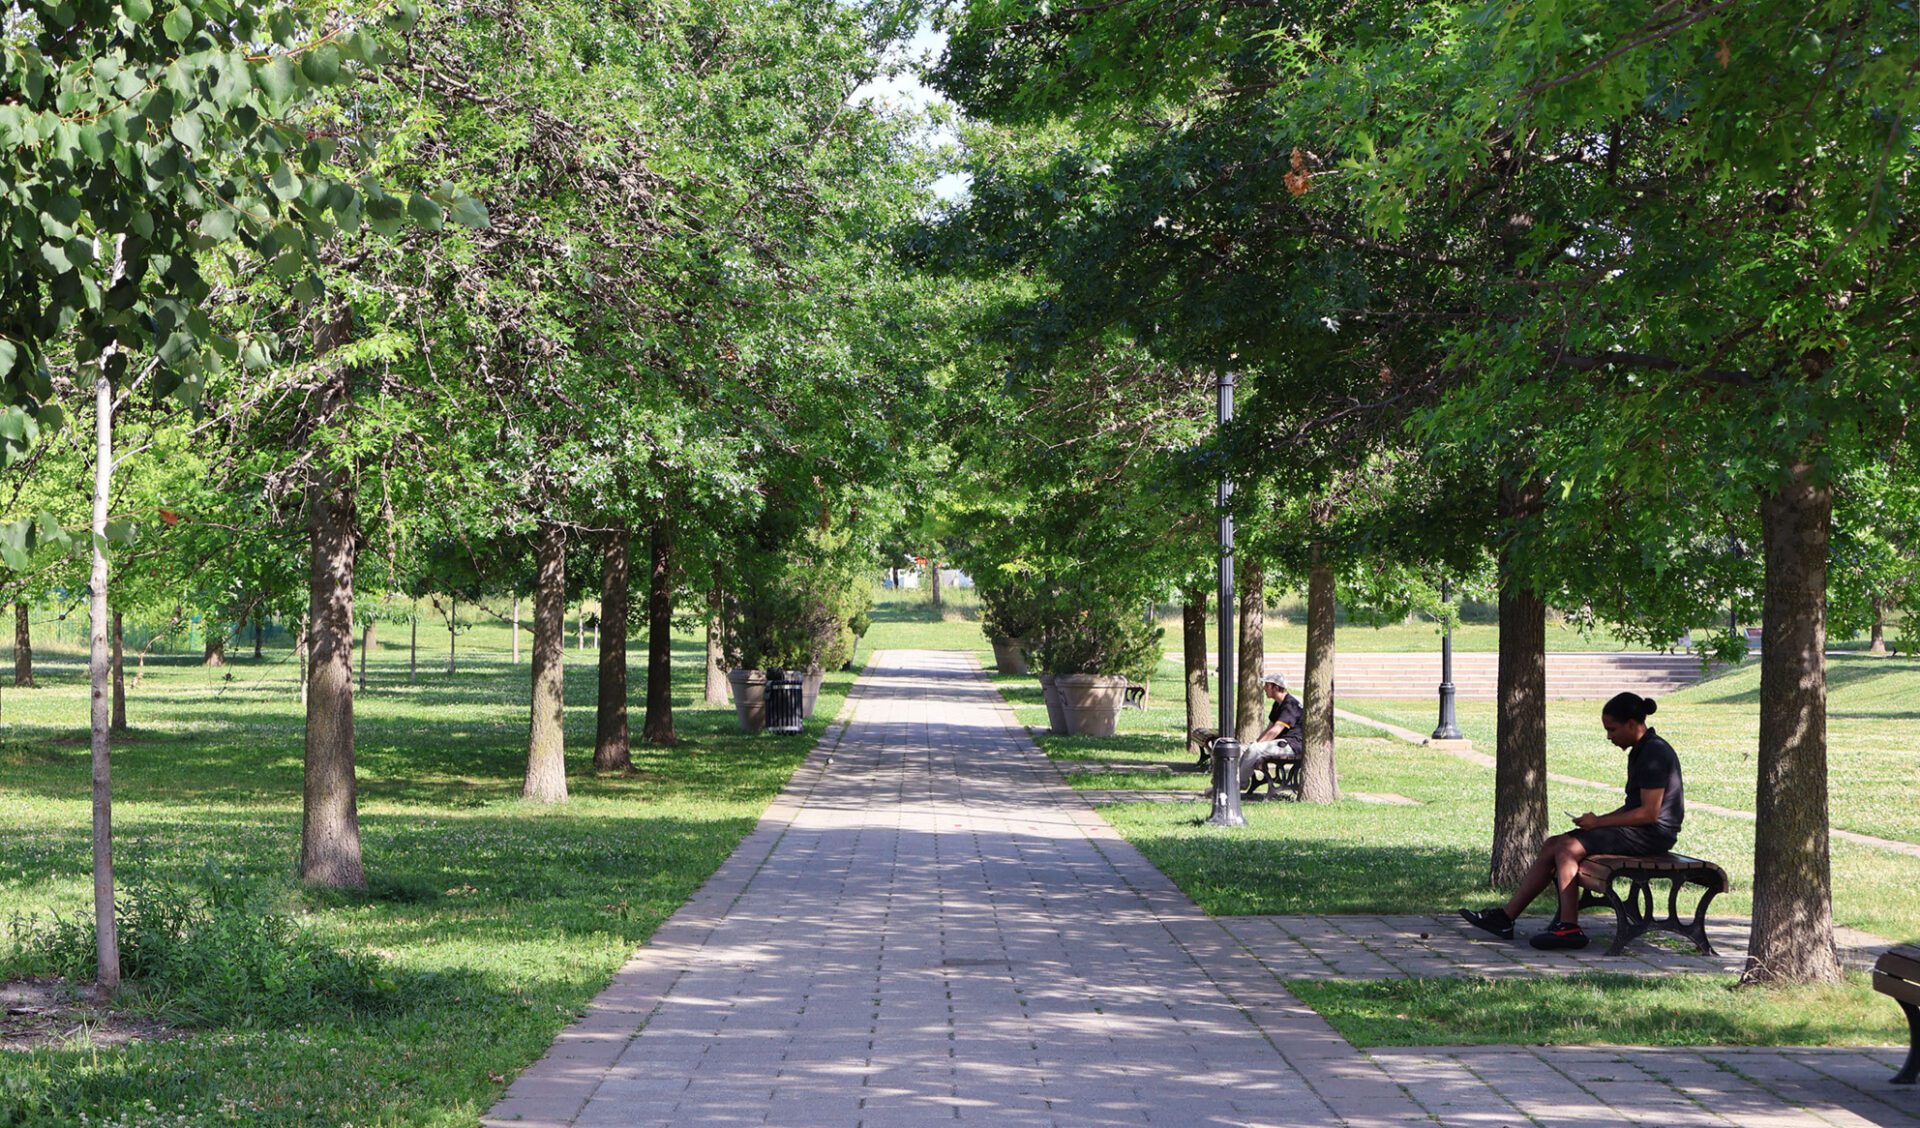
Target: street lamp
[
  {"x": 1447, "y": 728},
  {"x": 1226, "y": 749}
]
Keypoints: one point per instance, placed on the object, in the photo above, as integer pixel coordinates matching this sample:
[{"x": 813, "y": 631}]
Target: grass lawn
[
  {"x": 1354, "y": 857},
  {"x": 497, "y": 920},
  {"x": 1626, "y": 1010},
  {"x": 1873, "y": 730}
]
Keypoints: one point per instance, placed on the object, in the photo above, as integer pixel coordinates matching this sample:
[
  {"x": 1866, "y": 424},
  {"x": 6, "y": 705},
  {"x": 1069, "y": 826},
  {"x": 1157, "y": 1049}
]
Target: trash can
[{"x": 786, "y": 700}]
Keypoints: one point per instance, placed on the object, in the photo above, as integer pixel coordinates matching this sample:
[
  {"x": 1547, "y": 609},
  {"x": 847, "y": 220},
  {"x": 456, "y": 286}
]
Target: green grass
[
  {"x": 1362, "y": 857},
  {"x": 1873, "y": 730},
  {"x": 501, "y": 919},
  {"x": 907, "y": 620},
  {"x": 1627, "y": 1010}
]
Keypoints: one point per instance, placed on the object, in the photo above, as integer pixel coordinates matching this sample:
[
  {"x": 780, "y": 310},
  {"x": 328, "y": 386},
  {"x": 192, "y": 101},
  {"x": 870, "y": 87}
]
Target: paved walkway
[{"x": 930, "y": 927}]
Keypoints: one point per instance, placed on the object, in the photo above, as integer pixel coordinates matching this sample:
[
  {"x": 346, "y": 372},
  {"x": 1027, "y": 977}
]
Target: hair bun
[{"x": 1651, "y": 705}]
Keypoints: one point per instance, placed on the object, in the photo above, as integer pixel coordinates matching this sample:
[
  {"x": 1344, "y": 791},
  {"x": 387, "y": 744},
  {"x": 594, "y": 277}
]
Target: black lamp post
[
  {"x": 1226, "y": 750},
  {"x": 1447, "y": 728}
]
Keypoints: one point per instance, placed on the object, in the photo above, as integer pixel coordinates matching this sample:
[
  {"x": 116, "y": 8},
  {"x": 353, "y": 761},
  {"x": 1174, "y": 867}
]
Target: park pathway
[{"x": 930, "y": 927}]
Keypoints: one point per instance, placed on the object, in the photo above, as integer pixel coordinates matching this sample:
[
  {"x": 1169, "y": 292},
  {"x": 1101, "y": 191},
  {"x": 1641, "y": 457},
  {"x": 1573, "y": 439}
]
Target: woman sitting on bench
[{"x": 1647, "y": 823}]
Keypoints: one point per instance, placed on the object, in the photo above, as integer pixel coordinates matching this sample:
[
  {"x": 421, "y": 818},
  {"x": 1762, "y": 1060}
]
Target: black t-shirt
[
  {"x": 1287, "y": 709},
  {"x": 1651, "y": 764}
]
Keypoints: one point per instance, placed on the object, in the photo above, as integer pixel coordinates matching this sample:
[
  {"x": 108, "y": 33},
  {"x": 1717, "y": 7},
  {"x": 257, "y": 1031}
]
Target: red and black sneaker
[{"x": 1559, "y": 935}]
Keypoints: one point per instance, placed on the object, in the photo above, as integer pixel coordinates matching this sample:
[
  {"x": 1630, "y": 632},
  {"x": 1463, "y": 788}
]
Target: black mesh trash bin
[{"x": 785, "y": 702}]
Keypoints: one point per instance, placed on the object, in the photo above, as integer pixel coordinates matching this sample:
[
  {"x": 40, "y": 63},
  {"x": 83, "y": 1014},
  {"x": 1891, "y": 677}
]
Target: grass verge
[
  {"x": 1625, "y": 1010},
  {"x": 495, "y": 921}
]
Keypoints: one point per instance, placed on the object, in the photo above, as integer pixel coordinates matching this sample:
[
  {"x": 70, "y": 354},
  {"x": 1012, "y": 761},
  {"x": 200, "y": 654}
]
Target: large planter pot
[
  {"x": 749, "y": 698},
  {"x": 810, "y": 690},
  {"x": 1092, "y": 702},
  {"x": 1009, "y": 655},
  {"x": 1056, "y": 713}
]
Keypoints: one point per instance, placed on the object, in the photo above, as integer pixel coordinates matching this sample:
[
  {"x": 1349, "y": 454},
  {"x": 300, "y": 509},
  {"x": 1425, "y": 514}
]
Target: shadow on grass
[{"x": 1234, "y": 873}]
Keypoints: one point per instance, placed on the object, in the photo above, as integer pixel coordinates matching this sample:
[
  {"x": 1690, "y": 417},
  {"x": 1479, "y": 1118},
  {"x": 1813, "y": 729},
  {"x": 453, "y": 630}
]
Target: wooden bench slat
[
  {"x": 1900, "y": 964},
  {"x": 1899, "y": 988}
]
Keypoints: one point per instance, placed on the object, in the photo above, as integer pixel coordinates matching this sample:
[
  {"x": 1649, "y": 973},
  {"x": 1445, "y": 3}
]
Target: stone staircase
[{"x": 1581, "y": 675}]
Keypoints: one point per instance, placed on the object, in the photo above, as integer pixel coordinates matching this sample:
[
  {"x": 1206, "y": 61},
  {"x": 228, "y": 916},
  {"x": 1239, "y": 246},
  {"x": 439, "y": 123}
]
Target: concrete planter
[
  {"x": 1056, "y": 712},
  {"x": 810, "y": 690},
  {"x": 1092, "y": 702},
  {"x": 749, "y": 698},
  {"x": 1009, "y": 655}
]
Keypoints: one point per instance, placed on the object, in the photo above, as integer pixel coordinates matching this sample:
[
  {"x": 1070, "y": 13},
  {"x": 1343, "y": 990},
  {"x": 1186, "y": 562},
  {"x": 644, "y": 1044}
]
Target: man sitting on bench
[
  {"x": 1647, "y": 823},
  {"x": 1283, "y": 725}
]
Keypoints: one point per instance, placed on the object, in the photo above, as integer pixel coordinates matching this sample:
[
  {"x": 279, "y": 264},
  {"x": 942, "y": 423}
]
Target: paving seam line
[
  {"x": 1482, "y": 759},
  {"x": 697, "y": 916}
]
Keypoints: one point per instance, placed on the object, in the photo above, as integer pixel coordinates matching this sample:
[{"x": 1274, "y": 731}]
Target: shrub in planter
[
  {"x": 1092, "y": 653},
  {"x": 1011, "y": 612}
]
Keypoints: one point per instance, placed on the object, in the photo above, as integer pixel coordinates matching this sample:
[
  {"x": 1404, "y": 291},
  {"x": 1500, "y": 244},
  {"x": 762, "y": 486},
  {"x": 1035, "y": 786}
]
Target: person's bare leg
[
  {"x": 1539, "y": 875},
  {"x": 1567, "y": 877}
]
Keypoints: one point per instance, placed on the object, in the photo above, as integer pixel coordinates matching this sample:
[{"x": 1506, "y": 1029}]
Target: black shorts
[{"x": 1638, "y": 841}]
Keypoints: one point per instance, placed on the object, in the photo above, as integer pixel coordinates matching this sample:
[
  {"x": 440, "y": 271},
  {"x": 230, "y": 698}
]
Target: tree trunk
[
  {"x": 716, "y": 689},
  {"x": 1877, "y": 640},
  {"x": 366, "y": 652},
  {"x": 896, "y": 577},
  {"x": 330, "y": 813},
  {"x": 119, "y": 723},
  {"x": 580, "y": 628},
  {"x": 215, "y": 653},
  {"x": 611, "y": 751},
  {"x": 413, "y": 648},
  {"x": 1520, "y": 727},
  {"x": 516, "y": 630},
  {"x": 453, "y": 636},
  {"x": 22, "y": 646},
  {"x": 106, "y": 923},
  {"x": 1792, "y": 877},
  {"x": 259, "y": 650},
  {"x": 300, "y": 660},
  {"x": 1193, "y": 654},
  {"x": 546, "y": 780},
  {"x": 1249, "y": 715},
  {"x": 933, "y": 569},
  {"x": 1319, "y": 776},
  {"x": 659, "y": 724}
]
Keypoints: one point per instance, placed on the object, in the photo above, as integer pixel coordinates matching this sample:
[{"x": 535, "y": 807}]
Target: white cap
[{"x": 1274, "y": 679}]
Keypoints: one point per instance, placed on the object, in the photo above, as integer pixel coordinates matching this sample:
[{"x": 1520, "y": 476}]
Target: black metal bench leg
[
  {"x": 1629, "y": 923},
  {"x": 1697, "y": 931},
  {"x": 1911, "y": 1071}
]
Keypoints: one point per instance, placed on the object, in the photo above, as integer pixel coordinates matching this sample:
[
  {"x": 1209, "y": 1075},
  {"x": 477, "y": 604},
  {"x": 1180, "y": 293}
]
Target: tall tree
[
  {"x": 658, "y": 728},
  {"x": 611, "y": 751}
]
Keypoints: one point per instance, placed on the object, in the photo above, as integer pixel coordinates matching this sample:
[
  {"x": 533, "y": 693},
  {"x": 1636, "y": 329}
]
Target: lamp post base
[{"x": 1226, "y": 784}]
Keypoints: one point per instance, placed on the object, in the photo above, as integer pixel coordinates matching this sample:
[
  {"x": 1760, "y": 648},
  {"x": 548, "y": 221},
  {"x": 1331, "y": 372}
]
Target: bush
[
  {"x": 1104, "y": 638},
  {"x": 216, "y": 953},
  {"x": 1013, "y": 608}
]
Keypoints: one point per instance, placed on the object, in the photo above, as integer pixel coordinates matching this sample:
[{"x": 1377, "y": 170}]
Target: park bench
[
  {"x": 1897, "y": 973},
  {"x": 1278, "y": 771},
  {"x": 1136, "y": 697},
  {"x": 1634, "y": 914}
]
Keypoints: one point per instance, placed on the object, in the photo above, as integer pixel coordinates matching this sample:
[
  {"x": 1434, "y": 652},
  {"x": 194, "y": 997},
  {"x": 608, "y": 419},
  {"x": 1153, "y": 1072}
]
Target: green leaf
[
  {"x": 276, "y": 78},
  {"x": 425, "y": 212},
  {"x": 8, "y": 352},
  {"x": 321, "y": 65},
  {"x": 403, "y": 16},
  {"x": 178, "y": 25},
  {"x": 139, "y": 11},
  {"x": 467, "y": 212},
  {"x": 121, "y": 530},
  {"x": 188, "y": 130},
  {"x": 219, "y": 224}
]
